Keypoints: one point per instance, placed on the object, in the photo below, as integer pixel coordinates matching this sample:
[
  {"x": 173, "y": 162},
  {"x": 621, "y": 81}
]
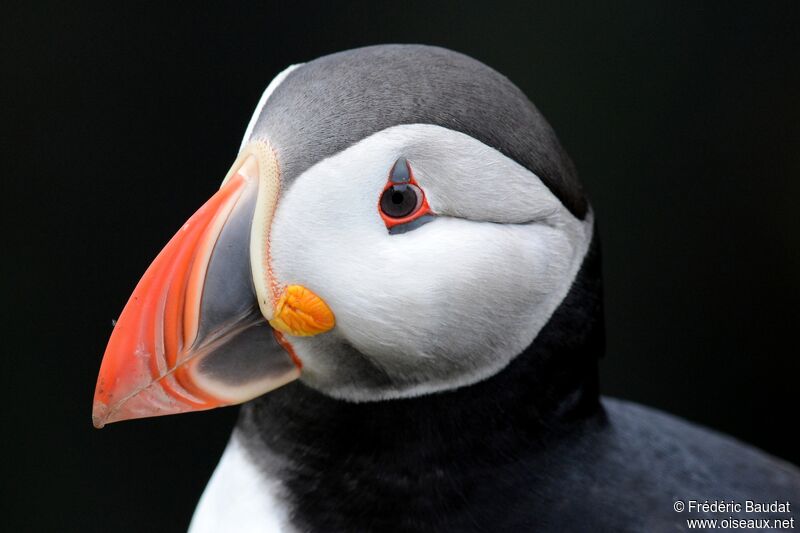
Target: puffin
[{"x": 400, "y": 280}]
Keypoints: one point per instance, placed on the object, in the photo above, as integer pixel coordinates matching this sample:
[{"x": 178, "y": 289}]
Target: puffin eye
[
  {"x": 402, "y": 204},
  {"x": 400, "y": 201}
]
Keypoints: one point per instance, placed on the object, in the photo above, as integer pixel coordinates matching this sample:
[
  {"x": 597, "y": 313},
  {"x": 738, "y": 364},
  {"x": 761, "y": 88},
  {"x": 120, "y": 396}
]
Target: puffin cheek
[{"x": 480, "y": 291}]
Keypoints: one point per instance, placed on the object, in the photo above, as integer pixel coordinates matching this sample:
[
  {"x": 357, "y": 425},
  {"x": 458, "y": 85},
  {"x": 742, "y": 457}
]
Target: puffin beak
[{"x": 204, "y": 326}]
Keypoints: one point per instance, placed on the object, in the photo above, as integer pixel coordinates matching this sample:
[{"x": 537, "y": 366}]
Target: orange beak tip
[{"x": 98, "y": 415}]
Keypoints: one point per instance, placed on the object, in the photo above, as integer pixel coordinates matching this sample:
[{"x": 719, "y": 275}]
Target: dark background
[{"x": 119, "y": 121}]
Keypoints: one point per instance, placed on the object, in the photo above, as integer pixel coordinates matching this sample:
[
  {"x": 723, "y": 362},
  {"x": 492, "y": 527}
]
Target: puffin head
[{"x": 400, "y": 220}]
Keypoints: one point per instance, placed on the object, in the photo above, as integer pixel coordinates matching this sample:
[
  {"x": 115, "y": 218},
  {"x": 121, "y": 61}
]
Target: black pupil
[{"x": 399, "y": 201}]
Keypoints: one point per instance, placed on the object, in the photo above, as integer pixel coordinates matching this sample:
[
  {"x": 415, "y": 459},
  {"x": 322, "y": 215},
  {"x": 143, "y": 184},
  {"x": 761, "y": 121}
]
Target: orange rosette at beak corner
[
  {"x": 193, "y": 334},
  {"x": 301, "y": 313}
]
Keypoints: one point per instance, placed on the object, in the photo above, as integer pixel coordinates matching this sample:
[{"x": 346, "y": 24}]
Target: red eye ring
[{"x": 402, "y": 200}]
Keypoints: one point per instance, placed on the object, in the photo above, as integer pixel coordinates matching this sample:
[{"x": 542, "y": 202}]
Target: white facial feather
[{"x": 444, "y": 305}]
